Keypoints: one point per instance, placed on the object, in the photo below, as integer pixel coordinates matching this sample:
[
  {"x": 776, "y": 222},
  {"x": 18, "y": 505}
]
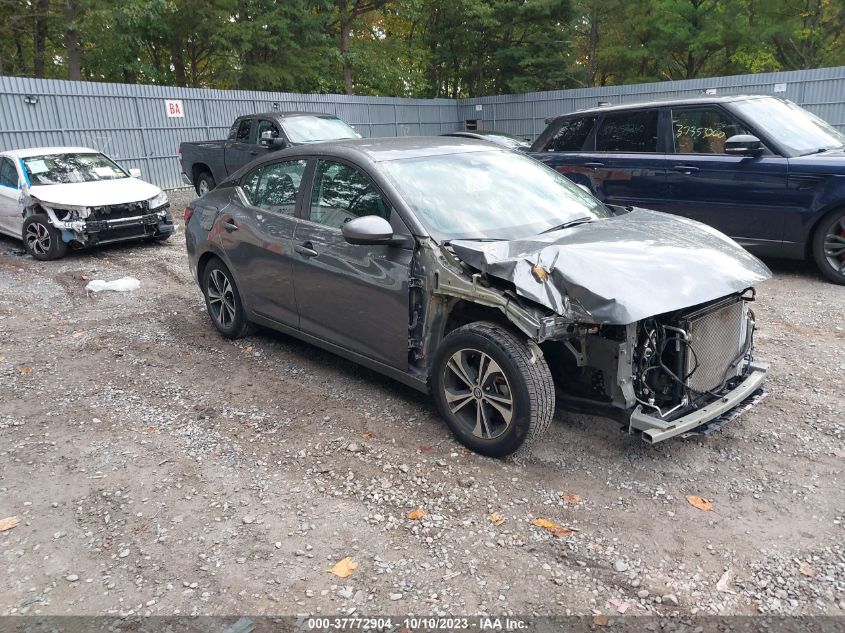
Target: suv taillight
[{"x": 188, "y": 213}]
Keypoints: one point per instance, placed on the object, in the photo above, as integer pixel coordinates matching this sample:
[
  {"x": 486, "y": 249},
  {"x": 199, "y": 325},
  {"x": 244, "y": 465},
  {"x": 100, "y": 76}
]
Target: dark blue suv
[{"x": 761, "y": 169}]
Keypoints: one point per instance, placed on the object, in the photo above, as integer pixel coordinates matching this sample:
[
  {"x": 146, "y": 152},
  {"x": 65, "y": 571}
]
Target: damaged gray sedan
[{"x": 487, "y": 279}]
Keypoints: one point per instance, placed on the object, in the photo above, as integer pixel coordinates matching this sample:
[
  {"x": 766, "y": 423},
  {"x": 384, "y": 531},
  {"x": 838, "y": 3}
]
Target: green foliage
[{"x": 455, "y": 48}]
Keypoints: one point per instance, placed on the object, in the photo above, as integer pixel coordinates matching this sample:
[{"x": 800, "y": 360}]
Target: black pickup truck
[{"x": 205, "y": 163}]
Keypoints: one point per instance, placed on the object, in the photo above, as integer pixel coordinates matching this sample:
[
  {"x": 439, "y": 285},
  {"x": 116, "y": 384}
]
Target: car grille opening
[
  {"x": 120, "y": 211},
  {"x": 717, "y": 339}
]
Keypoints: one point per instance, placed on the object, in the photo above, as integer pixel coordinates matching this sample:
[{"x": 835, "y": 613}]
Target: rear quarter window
[{"x": 571, "y": 136}]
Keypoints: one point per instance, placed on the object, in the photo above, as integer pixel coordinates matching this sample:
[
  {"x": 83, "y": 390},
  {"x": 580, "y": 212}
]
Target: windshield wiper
[{"x": 566, "y": 225}]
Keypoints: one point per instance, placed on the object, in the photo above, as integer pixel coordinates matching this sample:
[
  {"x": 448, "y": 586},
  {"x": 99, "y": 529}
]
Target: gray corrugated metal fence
[
  {"x": 821, "y": 91},
  {"x": 129, "y": 122}
]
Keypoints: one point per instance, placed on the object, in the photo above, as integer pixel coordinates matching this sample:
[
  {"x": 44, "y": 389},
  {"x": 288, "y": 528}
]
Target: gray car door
[
  {"x": 353, "y": 296},
  {"x": 257, "y": 235},
  {"x": 11, "y": 221},
  {"x": 243, "y": 147}
]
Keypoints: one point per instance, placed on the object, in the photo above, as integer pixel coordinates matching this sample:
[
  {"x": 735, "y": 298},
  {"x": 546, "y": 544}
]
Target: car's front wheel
[
  {"x": 43, "y": 240},
  {"x": 223, "y": 301},
  {"x": 493, "y": 389},
  {"x": 829, "y": 246}
]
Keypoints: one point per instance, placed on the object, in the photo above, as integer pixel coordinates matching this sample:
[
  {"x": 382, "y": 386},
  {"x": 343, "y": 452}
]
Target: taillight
[{"x": 188, "y": 213}]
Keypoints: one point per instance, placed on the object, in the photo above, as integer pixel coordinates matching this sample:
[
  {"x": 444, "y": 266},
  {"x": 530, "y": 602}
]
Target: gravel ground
[{"x": 159, "y": 469}]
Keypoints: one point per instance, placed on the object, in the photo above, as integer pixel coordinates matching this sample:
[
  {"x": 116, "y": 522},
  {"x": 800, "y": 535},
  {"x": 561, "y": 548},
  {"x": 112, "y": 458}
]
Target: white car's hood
[{"x": 95, "y": 194}]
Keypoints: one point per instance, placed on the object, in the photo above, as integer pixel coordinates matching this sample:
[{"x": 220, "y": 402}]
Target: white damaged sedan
[{"x": 55, "y": 198}]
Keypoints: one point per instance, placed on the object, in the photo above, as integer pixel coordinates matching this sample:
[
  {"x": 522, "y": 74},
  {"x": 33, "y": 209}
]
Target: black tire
[
  {"x": 204, "y": 183},
  {"x": 829, "y": 246},
  {"x": 41, "y": 239},
  {"x": 523, "y": 377},
  {"x": 223, "y": 301}
]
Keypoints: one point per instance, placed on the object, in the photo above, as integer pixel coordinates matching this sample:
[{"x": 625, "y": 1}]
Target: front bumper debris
[{"x": 654, "y": 429}]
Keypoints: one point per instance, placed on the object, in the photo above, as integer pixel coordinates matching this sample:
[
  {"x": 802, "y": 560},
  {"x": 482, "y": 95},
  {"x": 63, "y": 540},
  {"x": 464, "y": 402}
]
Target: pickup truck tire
[
  {"x": 205, "y": 183},
  {"x": 223, "y": 301},
  {"x": 493, "y": 389},
  {"x": 41, "y": 239},
  {"x": 829, "y": 246}
]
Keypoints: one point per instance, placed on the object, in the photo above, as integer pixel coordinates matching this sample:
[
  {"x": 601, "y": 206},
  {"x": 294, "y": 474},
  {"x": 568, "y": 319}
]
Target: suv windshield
[
  {"x": 794, "y": 128},
  {"x": 312, "y": 129},
  {"x": 492, "y": 195},
  {"x": 62, "y": 169}
]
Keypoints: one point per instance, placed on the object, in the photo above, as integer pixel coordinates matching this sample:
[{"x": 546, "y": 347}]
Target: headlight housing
[{"x": 158, "y": 201}]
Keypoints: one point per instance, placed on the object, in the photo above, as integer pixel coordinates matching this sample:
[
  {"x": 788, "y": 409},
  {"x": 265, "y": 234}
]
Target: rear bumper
[{"x": 654, "y": 429}]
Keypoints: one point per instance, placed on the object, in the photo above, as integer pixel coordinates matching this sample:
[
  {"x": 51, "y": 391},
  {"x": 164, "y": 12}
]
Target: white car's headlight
[{"x": 158, "y": 201}]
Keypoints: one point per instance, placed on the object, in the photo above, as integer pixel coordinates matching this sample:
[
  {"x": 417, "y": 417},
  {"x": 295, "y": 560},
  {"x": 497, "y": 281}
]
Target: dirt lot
[{"x": 160, "y": 469}]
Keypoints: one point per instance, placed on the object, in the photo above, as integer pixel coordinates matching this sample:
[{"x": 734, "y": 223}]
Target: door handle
[
  {"x": 594, "y": 165},
  {"x": 685, "y": 169},
  {"x": 230, "y": 225},
  {"x": 306, "y": 250}
]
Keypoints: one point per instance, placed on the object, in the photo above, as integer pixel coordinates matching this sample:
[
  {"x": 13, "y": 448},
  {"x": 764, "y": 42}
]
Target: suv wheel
[
  {"x": 829, "y": 246},
  {"x": 223, "y": 301},
  {"x": 43, "y": 240},
  {"x": 493, "y": 390}
]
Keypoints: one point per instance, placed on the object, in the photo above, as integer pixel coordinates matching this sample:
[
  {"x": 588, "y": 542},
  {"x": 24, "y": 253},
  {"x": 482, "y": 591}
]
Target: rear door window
[
  {"x": 274, "y": 187},
  {"x": 572, "y": 135},
  {"x": 628, "y": 132},
  {"x": 703, "y": 130},
  {"x": 242, "y": 133}
]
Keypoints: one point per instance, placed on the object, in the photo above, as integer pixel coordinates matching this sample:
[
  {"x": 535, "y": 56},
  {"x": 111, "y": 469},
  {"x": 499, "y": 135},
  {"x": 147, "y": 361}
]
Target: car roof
[
  {"x": 391, "y": 148},
  {"x": 286, "y": 113},
  {"x": 40, "y": 151},
  {"x": 702, "y": 100}
]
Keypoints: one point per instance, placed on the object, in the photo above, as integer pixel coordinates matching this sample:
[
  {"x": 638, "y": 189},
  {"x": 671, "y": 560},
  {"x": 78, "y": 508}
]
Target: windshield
[
  {"x": 491, "y": 194},
  {"x": 311, "y": 129},
  {"x": 62, "y": 169},
  {"x": 794, "y": 128}
]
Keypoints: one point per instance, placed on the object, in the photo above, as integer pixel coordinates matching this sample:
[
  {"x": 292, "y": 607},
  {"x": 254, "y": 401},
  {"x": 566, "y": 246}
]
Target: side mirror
[
  {"x": 135, "y": 172},
  {"x": 368, "y": 230},
  {"x": 744, "y": 145},
  {"x": 272, "y": 142}
]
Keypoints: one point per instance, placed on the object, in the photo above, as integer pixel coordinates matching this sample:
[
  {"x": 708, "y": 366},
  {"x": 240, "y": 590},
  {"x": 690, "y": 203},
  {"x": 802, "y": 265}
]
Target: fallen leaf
[
  {"x": 248, "y": 349},
  {"x": 699, "y": 502},
  {"x": 151, "y": 429},
  {"x": 553, "y": 528},
  {"x": 805, "y": 570},
  {"x": 26, "y": 371},
  {"x": 600, "y": 620},
  {"x": 8, "y": 523},
  {"x": 724, "y": 583},
  {"x": 424, "y": 448},
  {"x": 416, "y": 515},
  {"x": 78, "y": 333},
  {"x": 497, "y": 519},
  {"x": 344, "y": 568},
  {"x": 368, "y": 435},
  {"x": 84, "y": 277},
  {"x": 570, "y": 498}
]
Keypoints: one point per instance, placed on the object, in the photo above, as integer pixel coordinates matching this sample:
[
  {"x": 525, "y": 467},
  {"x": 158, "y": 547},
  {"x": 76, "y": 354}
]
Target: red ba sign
[{"x": 174, "y": 108}]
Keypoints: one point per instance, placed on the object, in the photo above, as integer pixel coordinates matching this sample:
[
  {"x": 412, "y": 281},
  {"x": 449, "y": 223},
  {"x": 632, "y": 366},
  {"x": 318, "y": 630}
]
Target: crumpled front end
[
  {"x": 86, "y": 226},
  {"x": 643, "y": 317}
]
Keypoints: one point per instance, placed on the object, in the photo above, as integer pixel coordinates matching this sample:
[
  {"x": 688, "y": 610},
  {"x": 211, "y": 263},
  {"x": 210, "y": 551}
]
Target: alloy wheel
[
  {"x": 203, "y": 187},
  {"x": 38, "y": 238},
  {"x": 221, "y": 298},
  {"x": 834, "y": 245},
  {"x": 478, "y": 393}
]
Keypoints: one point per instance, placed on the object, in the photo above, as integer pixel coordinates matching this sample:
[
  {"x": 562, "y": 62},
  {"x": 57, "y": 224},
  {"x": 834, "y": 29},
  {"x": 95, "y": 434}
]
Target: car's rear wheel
[
  {"x": 829, "y": 246},
  {"x": 223, "y": 301},
  {"x": 42, "y": 240},
  {"x": 494, "y": 391},
  {"x": 205, "y": 183}
]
